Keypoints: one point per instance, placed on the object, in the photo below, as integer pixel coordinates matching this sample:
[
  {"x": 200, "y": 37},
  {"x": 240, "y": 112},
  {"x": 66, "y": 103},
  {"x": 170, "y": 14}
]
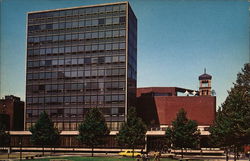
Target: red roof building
[{"x": 158, "y": 106}]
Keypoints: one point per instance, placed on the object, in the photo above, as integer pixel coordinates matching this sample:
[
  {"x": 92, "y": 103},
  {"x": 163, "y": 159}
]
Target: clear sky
[{"x": 177, "y": 39}]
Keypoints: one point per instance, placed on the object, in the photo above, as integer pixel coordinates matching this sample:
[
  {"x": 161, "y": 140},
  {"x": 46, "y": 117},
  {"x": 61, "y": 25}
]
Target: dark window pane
[
  {"x": 101, "y": 21},
  {"x": 87, "y": 60},
  {"x": 122, "y": 19},
  {"x": 49, "y": 26}
]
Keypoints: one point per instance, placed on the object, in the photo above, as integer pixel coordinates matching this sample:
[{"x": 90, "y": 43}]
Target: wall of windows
[{"x": 76, "y": 60}]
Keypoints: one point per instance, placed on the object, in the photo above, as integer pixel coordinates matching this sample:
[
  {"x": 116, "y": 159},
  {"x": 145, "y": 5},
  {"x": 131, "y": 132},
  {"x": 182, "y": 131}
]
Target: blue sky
[{"x": 177, "y": 39}]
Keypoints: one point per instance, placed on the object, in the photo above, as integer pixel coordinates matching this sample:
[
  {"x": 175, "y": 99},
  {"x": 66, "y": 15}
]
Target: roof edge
[{"x": 85, "y": 6}]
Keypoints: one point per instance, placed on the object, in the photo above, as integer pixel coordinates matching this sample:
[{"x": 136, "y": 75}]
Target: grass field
[
  {"x": 77, "y": 158},
  {"x": 94, "y": 159}
]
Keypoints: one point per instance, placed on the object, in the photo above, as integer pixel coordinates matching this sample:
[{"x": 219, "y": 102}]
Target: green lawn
[{"x": 77, "y": 158}]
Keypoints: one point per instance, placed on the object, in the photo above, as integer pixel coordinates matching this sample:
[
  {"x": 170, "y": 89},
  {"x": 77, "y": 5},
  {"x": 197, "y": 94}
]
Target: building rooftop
[
  {"x": 172, "y": 91},
  {"x": 205, "y": 76}
]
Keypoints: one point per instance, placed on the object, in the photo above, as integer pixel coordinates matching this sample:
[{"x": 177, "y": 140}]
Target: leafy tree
[
  {"x": 183, "y": 133},
  {"x": 4, "y": 135},
  {"x": 132, "y": 132},
  {"x": 43, "y": 132},
  {"x": 93, "y": 129},
  {"x": 231, "y": 129}
]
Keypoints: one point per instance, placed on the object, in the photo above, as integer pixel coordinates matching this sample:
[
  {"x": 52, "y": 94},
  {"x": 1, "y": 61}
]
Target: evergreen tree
[
  {"x": 232, "y": 125},
  {"x": 132, "y": 132},
  {"x": 183, "y": 133},
  {"x": 93, "y": 129},
  {"x": 43, "y": 132}
]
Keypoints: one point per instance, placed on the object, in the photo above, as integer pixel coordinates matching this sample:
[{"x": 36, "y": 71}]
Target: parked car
[{"x": 129, "y": 153}]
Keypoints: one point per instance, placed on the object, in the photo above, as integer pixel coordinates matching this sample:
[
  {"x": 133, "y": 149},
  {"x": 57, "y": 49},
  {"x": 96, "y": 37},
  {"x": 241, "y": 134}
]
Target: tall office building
[{"x": 80, "y": 58}]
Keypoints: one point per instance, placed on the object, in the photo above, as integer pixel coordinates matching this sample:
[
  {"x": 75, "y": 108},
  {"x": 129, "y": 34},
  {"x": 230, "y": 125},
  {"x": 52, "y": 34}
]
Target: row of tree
[
  {"x": 231, "y": 128},
  {"x": 92, "y": 130}
]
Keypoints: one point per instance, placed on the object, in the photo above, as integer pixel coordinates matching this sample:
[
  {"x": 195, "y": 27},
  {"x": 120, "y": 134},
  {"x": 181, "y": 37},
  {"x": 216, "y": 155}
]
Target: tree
[
  {"x": 183, "y": 133},
  {"x": 4, "y": 135},
  {"x": 132, "y": 132},
  {"x": 93, "y": 129},
  {"x": 231, "y": 129},
  {"x": 43, "y": 132}
]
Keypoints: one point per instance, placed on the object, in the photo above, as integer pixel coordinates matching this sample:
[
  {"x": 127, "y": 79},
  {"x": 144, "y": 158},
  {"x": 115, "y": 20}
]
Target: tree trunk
[
  {"x": 226, "y": 154},
  {"x": 181, "y": 152},
  {"x": 234, "y": 153},
  {"x": 43, "y": 149},
  {"x": 133, "y": 152},
  {"x": 237, "y": 153},
  {"x": 92, "y": 151}
]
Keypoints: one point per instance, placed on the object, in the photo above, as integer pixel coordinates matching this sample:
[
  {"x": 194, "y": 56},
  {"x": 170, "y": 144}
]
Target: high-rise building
[{"x": 80, "y": 58}]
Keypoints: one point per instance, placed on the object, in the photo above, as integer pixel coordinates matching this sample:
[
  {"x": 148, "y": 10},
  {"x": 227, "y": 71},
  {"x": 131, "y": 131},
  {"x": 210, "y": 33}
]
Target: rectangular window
[
  {"x": 48, "y": 62},
  {"x": 49, "y": 26},
  {"x": 115, "y": 59},
  {"x": 108, "y": 59},
  {"x": 88, "y": 35},
  {"x": 115, "y": 46},
  {"x": 74, "y": 37},
  {"x": 87, "y": 73},
  {"x": 101, "y": 59},
  {"x": 55, "y": 50},
  {"x": 48, "y": 51},
  {"x": 116, "y": 20},
  {"x": 68, "y": 61},
  {"x": 88, "y": 22},
  {"x": 62, "y": 25},
  {"x": 74, "y": 74},
  {"x": 95, "y": 35},
  {"x": 95, "y": 22},
  {"x": 101, "y": 34},
  {"x": 122, "y": 32},
  {"x": 42, "y": 51},
  {"x": 88, "y": 48},
  {"x": 68, "y": 49},
  {"x": 94, "y": 47},
  {"x": 122, "y": 58},
  {"x": 61, "y": 62},
  {"x": 54, "y": 62},
  {"x": 61, "y": 50},
  {"x": 101, "y": 72},
  {"x": 108, "y": 21},
  {"x": 61, "y": 37},
  {"x": 81, "y": 23},
  {"x": 81, "y": 61},
  {"x": 101, "y": 21},
  {"x": 101, "y": 47},
  {"x": 74, "y": 24},
  {"x": 114, "y": 111},
  {"x": 81, "y": 36},
  {"x": 116, "y": 33},
  {"x": 55, "y": 26},
  {"x": 55, "y": 38},
  {"x": 108, "y": 47},
  {"x": 108, "y": 33},
  {"x": 80, "y": 73},
  {"x": 74, "y": 49},
  {"x": 122, "y": 19},
  {"x": 122, "y": 45},
  {"x": 68, "y": 37}
]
